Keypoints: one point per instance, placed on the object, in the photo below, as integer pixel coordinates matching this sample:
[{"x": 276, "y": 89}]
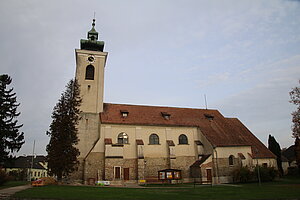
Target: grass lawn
[
  {"x": 13, "y": 184},
  {"x": 286, "y": 188}
]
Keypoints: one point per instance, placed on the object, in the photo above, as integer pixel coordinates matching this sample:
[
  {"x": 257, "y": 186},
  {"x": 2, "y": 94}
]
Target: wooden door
[
  {"x": 117, "y": 172},
  {"x": 208, "y": 173},
  {"x": 126, "y": 174}
]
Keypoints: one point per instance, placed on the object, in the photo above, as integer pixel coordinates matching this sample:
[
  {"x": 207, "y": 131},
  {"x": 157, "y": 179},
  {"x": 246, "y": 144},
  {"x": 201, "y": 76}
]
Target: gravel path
[{"x": 7, "y": 192}]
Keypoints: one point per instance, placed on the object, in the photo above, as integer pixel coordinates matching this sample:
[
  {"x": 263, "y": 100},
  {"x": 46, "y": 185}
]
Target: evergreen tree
[
  {"x": 62, "y": 154},
  {"x": 11, "y": 140},
  {"x": 274, "y": 147},
  {"x": 297, "y": 152},
  {"x": 295, "y": 99}
]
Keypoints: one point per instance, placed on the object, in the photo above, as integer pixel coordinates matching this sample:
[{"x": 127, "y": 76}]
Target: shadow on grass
[
  {"x": 13, "y": 184},
  {"x": 281, "y": 189}
]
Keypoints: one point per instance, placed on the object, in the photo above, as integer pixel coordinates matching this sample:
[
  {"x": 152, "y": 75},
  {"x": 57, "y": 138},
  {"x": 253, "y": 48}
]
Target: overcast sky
[{"x": 244, "y": 55}]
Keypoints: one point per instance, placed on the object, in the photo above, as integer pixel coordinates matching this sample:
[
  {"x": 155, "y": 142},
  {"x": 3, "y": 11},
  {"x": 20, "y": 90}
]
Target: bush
[
  {"x": 18, "y": 175},
  {"x": 293, "y": 171},
  {"x": 266, "y": 173},
  {"x": 3, "y": 177},
  {"x": 242, "y": 175}
]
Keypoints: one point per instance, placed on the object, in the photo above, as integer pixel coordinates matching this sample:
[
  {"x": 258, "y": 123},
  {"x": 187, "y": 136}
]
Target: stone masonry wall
[
  {"x": 94, "y": 166},
  {"x": 110, "y": 163},
  {"x": 132, "y": 165},
  {"x": 76, "y": 176},
  {"x": 153, "y": 165},
  {"x": 141, "y": 169},
  {"x": 183, "y": 163},
  {"x": 208, "y": 165},
  {"x": 224, "y": 170}
]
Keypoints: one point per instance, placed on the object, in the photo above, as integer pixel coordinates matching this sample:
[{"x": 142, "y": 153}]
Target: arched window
[
  {"x": 231, "y": 160},
  {"x": 153, "y": 139},
  {"x": 122, "y": 138},
  {"x": 183, "y": 139},
  {"x": 89, "y": 72}
]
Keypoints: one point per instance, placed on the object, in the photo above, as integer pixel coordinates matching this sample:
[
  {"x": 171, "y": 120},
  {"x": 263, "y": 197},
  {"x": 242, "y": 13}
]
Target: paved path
[{"x": 7, "y": 192}]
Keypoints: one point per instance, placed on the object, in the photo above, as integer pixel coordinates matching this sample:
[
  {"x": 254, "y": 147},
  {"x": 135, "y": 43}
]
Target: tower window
[
  {"x": 89, "y": 72},
  {"x": 183, "y": 139},
  {"x": 122, "y": 138},
  {"x": 231, "y": 160},
  {"x": 153, "y": 139}
]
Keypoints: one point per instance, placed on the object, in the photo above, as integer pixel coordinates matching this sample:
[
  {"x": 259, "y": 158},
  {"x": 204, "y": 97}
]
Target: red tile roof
[
  {"x": 139, "y": 142},
  {"x": 220, "y": 131},
  {"x": 241, "y": 156},
  {"x": 170, "y": 143},
  {"x": 197, "y": 163},
  {"x": 198, "y": 142},
  {"x": 259, "y": 150},
  {"x": 107, "y": 141}
]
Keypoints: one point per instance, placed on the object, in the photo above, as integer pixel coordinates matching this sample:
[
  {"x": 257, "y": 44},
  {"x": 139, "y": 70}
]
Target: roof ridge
[
  {"x": 157, "y": 106},
  {"x": 232, "y": 118}
]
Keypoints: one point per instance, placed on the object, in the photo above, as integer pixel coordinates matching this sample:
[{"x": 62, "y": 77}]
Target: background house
[
  {"x": 23, "y": 169},
  {"x": 290, "y": 160}
]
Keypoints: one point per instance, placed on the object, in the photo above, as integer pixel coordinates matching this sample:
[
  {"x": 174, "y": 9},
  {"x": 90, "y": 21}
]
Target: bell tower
[{"x": 90, "y": 63}]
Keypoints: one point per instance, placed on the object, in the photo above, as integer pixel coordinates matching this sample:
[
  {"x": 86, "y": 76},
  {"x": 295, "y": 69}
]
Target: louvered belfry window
[{"x": 89, "y": 72}]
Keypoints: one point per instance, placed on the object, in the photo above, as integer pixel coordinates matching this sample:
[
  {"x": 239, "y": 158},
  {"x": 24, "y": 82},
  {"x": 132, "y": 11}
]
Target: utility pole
[
  {"x": 258, "y": 173},
  {"x": 30, "y": 172}
]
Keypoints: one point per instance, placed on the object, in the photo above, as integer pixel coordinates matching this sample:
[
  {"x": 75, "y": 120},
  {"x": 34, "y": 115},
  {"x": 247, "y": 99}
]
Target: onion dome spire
[
  {"x": 92, "y": 42},
  {"x": 93, "y": 34}
]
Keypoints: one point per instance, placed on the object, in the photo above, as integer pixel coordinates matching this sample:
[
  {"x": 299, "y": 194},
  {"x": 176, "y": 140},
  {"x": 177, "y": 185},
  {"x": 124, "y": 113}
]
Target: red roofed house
[{"x": 126, "y": 143}]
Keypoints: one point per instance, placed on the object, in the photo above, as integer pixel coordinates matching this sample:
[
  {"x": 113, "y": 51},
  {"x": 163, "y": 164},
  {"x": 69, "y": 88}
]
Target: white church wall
[
  {"x": 207, "y": 147},
  {"x": 270, "y": 162},
  {"x": 99, "y": 147},
  {"x": 88, "y": 133},
  {"x": 183, "y": 149},
  {"x": 225, "y": 152}
]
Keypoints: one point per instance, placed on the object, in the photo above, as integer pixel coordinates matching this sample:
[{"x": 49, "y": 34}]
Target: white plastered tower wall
[{"x": 91, "y": 92}]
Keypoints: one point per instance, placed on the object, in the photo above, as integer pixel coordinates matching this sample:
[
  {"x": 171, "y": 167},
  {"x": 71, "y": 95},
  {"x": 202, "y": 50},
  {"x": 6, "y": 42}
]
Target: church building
[{"x": 129, "y": 143}]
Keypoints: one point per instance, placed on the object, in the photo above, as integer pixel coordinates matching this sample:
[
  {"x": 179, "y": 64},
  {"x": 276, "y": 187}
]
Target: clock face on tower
[{"x": 91, "y": 59}]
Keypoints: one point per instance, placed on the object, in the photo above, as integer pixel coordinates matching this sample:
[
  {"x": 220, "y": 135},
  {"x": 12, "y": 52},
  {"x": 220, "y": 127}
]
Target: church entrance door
[
  {"x": 117, "y": 172},
  {"x": 126, "y": 174},
  {"x": 209, "y": 177}
]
